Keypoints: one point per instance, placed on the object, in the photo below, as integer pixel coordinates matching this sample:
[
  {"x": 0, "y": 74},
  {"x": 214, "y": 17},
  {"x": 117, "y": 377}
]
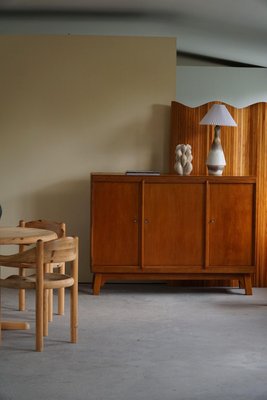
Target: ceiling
[{"x": 231, "y": 31}]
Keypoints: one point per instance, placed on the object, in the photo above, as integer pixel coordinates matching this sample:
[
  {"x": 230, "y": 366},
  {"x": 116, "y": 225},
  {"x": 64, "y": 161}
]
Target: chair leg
[
  {"x": 45, "y": 313},
  {"x": 39, "y": 298},
  {"x": 49, "y": 268},
  {"x": 50, "y": 305},
  {"x": 22, "y": 272},
  {"x": 39, "y": 320},
  {"x": 0, "y": 318},
  {"x": 74, "y": 315},
  {"x": 22, "y": 301},
  {"x": 74, "y": 304},
  {"x": 61, "y": 293}
]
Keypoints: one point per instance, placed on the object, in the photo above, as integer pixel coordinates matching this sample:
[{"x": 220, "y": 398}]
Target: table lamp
[{"x": 218, "y": 115}]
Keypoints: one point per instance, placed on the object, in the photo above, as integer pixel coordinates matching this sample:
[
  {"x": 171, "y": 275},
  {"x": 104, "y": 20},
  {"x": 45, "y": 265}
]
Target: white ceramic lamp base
[{"x": 216, "y": 160}]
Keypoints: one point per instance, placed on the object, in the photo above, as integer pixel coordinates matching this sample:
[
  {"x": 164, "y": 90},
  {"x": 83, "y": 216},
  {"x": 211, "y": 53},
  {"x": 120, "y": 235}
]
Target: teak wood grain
[
  {"x": 160, "y": 226},
  {"x": 115, "y": 223},
  {"x": 174, "y": 220},
  {"x": 231, "y": 225}
]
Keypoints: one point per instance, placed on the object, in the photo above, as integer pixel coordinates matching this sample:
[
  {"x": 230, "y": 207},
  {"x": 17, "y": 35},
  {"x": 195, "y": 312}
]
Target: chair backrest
[
  {"x": 58, "y": 227},
  {"x": 60, "y": 250},
  {"x": 55, "y": 251}
]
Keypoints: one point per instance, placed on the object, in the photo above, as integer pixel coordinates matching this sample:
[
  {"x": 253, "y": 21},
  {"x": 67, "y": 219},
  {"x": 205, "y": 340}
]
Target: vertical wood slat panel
[
  {"x": 245, "y": 149},
  {"x": 260, "y": 129},
  {"x": 186, "y": 129}
]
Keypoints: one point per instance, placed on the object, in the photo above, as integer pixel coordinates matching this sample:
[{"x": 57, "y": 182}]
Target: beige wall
[{"x": 72, "y": 105}]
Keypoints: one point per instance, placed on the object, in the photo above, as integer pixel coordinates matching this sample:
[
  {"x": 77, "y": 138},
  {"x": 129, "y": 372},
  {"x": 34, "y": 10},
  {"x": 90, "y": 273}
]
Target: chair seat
[
  {"x": 17, "y": 282},
  {"x": 51, "y": 281}
]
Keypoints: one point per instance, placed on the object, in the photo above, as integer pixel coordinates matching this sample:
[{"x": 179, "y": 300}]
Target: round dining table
[{"x": 10, "y": 235}]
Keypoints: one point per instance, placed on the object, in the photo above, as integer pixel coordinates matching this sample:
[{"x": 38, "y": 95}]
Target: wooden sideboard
[{"x": 170, "y": 227}]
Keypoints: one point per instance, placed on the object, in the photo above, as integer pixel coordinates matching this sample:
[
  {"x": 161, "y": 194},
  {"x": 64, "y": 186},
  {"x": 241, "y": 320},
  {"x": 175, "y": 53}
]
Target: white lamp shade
[{"x": 218, "y": 115}]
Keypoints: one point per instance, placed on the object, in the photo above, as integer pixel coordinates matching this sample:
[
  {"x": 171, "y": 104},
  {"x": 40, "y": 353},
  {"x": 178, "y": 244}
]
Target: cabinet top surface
[{"x": 122, "y": 177}]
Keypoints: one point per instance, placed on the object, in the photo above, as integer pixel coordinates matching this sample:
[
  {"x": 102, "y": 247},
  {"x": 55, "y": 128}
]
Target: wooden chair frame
[
  {"x": 60, "y": 229},
  {"x": 56, "y": 251}
]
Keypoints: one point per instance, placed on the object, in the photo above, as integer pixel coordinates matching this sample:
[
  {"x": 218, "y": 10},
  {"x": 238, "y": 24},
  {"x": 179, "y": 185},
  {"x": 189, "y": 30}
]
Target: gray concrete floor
[{"x": 140, "y": 341}]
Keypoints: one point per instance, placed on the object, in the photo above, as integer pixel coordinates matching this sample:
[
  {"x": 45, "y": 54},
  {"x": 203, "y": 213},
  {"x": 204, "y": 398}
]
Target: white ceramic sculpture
[{"x": 183, "y": 157}]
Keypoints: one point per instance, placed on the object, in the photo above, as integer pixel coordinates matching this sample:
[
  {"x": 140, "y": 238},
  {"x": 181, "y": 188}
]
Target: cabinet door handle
[
  {"x": 146, "y": 221},
  {"x": 135, "y": 221},
  {"x": 212, "y": 221}
]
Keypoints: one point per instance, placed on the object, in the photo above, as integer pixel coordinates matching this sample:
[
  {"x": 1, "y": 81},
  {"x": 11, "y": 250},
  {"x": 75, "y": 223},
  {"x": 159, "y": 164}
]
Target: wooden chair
[
  {"x": 56, "y": 251},
  {"x": 60, "y": 229}
]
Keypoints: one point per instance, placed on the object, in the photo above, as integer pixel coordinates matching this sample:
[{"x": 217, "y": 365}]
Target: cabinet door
[
  {"x": 174, "y": 224},
  {"x": 115, "y": 214},
  {"x": 231, "y": 225}
]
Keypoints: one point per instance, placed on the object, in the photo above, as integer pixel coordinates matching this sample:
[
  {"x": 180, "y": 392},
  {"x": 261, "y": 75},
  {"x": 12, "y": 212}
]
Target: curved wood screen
[{"x": 245, "y": 149}]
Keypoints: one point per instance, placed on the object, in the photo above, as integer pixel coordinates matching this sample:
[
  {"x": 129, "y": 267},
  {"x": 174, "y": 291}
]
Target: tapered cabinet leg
[
  {"x": 248, "y": 285},
  {"x": 241, "y": 283},
  {"x": 97, "y": 281}
]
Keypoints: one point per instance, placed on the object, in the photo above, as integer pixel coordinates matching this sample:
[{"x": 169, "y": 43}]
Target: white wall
[{"x": 239, "y": 87}]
